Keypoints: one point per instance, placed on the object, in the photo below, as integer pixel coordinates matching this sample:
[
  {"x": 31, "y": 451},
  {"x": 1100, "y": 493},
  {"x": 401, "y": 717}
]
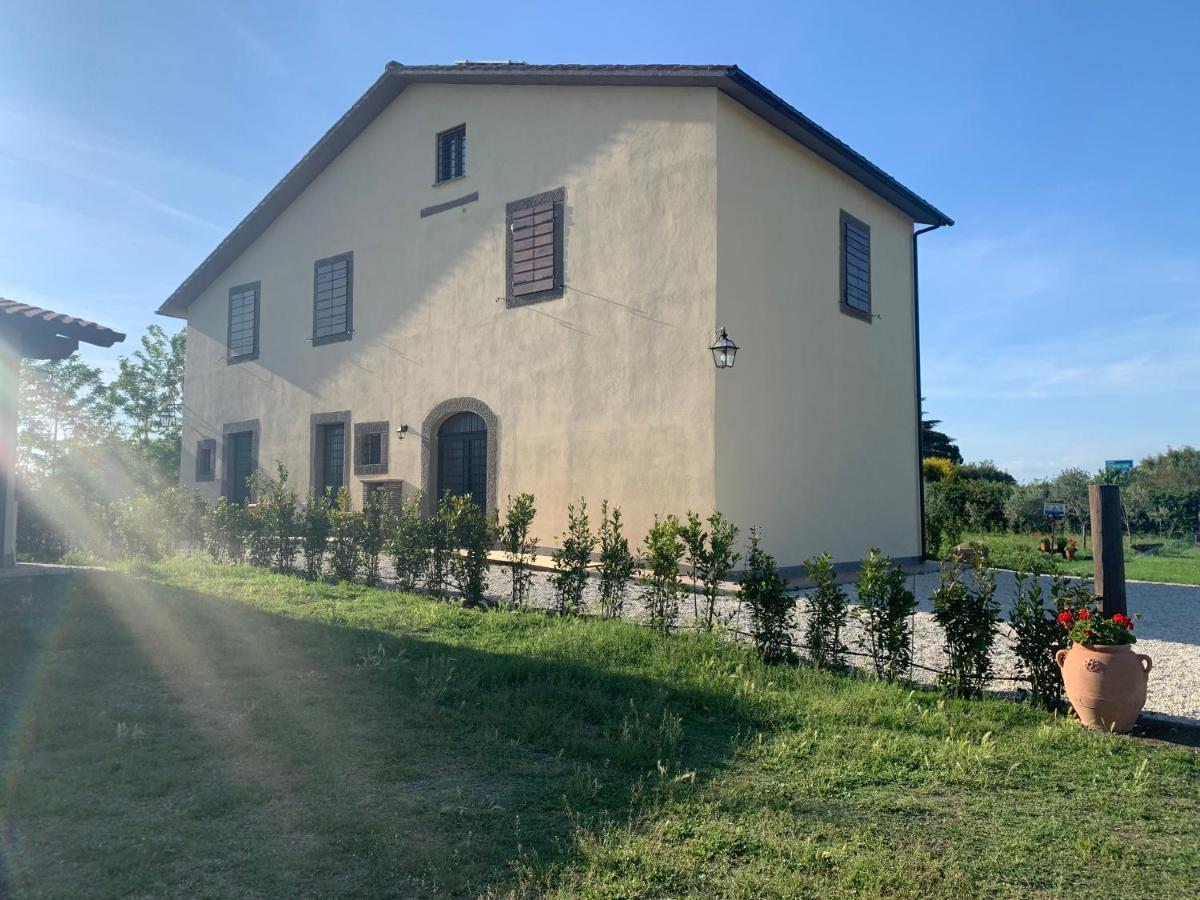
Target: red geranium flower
[
  {"x": 1066, "y": 619},
  {"x": 1123, "y": 620},
  {"x": 1084, "y": 615}
]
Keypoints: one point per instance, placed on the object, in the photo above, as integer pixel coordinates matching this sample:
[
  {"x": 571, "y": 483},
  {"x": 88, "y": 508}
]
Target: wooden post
[{"x": 1108, "y": 549}]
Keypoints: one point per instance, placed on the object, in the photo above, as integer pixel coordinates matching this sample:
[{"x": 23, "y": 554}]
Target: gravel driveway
[{"x": 1168, "y": 630}]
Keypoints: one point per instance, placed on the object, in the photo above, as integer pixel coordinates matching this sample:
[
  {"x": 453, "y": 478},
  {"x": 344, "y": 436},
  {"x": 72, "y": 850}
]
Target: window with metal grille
[
  {"x": 333, "y": 298},
  {"x": 333, "y": 457},
  {"x": 239, "y": 452},
  {"x": 206, "y": 452},
  {"x": 535, "y": 248},
  {"x": 243, "y": 322},
  {"x": 370, "y": 449},
  {"x": 856, "y": 267},
  {"x": 452, "y": 154}
]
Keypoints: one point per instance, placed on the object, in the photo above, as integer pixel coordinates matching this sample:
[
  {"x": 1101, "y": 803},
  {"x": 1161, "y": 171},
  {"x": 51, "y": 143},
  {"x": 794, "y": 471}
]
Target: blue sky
[{"x": 1060, "y": 316}]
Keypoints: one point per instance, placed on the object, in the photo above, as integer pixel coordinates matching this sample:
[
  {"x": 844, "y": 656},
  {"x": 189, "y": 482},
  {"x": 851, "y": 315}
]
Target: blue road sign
[{"x": 1119, "y": 465}]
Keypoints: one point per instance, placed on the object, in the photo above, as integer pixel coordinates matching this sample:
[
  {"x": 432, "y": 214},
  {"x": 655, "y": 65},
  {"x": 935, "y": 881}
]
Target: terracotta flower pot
[
  {"x": 1070, "y": 553},
  {"x": 1044, "y": 546},
  {"x": 1106, "y": 683}
]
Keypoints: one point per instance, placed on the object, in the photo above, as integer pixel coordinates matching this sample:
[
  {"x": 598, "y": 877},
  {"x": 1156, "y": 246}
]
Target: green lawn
[
  {"x": 184, "y": 730},
  {"x": 1175, "y": 561}
]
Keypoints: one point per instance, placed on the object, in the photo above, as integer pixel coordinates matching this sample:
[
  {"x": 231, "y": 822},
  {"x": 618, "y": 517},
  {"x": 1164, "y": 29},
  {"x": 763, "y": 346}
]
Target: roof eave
[{"x": 729, "y": 79}]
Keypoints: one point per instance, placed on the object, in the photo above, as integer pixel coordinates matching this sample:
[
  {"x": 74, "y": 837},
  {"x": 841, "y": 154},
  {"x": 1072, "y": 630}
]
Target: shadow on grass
[{"x": 157, "y": 741}]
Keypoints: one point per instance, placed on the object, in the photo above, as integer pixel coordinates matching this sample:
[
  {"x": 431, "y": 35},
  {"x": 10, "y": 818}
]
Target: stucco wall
[
  {"x": 816, "y": 422},
  {"x": 607, "y": 392}
]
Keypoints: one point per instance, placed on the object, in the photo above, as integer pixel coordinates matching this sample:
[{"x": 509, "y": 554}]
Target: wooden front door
[{"x": 462, "y": 458}]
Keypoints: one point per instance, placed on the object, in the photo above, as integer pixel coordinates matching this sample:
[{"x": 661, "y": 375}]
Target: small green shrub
[
  {"x": 965, "y": 605},
  {"x": 407, "y": 544},
  {"x": 345, "y": 530},
  {"x": 471, "y": 534},
  {"x": 1037, "y": 637},
  {"x": 375, "y": 528},
  {"x": 571, "y": 560},
  {"x": 437, "y": 531},
  {"x": 276, "y": 520},
  {"x": 885, "y": 612},
  {"x": 661, "y": 554},
  {"x": 711, "y": 556},
  {"x": 314, "y": 535},
  {"x": 138, "y": 523},
  {"x": 764, "y": 592},
  {"x": 518, "y": 546},
  {"x": 226, "y": 526},
  {"x": 616, "y": 563},
  {"x": 828, "y": 611}
]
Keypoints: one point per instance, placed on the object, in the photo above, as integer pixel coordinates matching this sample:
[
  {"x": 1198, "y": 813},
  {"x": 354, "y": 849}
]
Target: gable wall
[{"x": 607, "y": 393}]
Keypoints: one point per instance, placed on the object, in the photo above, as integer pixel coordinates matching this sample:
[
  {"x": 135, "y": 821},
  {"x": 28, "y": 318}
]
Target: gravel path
[{"x": 1168, "y": 630}]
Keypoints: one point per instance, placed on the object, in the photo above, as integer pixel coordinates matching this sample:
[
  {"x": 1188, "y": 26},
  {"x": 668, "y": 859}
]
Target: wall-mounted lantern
[
  {"x": 401, "y": 432},
  {"x": 724, "y": 350}
]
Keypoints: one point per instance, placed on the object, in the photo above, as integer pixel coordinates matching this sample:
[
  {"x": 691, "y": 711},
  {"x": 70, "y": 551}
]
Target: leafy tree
[
  {"x": 471, "y": 535},
  {"x": 62, "y": 404},
  {"x": 937, "y": 443},
  {"x": 1176, "y": 470},
  {"x": 984, "y": 470},
  {"x": 147, "y": 394}
]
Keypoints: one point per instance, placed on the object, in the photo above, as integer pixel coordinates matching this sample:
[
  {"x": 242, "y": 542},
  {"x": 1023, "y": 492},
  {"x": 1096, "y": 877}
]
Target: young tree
[
  {"x": 661, "y": 555},
  {"x": 885, "y": 611},
  {"x": 616, "y": 563},
  {"x": 518, "y": 545},
  {"x": 764, "y": 591},
  {"x": 571, "y": 560}
]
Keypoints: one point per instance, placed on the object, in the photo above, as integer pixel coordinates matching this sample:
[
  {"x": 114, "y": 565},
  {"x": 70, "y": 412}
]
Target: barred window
[
  {"x": 370, "y": 448},
  {"x": 452, "y": 154},
  {"x": 243, "y": 322},
  {"x": 333, "y": 298}
]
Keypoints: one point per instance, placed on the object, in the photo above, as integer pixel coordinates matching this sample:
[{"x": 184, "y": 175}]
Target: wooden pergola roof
[{"x": 37, "y": 333}]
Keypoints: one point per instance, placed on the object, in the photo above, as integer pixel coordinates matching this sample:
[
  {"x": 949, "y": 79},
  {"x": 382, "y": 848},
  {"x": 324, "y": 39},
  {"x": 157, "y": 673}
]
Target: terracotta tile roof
[{"x": 57, "y": 323}]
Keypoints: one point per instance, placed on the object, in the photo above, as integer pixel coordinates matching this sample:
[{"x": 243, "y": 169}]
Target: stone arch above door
[{"x": 429, "y": 449}]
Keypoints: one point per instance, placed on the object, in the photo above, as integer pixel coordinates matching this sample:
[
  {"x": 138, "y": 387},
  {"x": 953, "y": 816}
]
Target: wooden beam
[{"x": 1108, "y": 550}]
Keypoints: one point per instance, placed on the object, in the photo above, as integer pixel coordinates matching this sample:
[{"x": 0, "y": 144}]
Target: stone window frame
[
  {"x": 316, "y": 447},
  {"x": 429, "y": 429},
  {"x": 558, "y": 197},
  {"x": 364, "y": 428},
  {"x": 231, "y": 428},
  {"x": 230, "y": 358},
  {"x": 348, "y": 334},
  {"x": 209, "y": 444}
]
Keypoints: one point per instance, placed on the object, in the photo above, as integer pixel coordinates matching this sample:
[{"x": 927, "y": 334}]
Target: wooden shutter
[
  {"x": 856, "y": 265},
  {"x": 535, "y": 248}
]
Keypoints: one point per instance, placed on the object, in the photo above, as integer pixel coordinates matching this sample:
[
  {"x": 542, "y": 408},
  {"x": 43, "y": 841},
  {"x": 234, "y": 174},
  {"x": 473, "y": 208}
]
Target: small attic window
[{"x": 452, "y": 154}]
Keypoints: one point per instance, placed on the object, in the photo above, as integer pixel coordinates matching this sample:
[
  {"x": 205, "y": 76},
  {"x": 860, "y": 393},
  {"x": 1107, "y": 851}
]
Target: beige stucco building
[{"x": 506, "y": 278}]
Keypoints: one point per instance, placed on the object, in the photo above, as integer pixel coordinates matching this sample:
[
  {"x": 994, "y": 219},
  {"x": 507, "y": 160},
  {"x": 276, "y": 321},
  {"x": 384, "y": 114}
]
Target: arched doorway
[{"x": 462, "y": 464}]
